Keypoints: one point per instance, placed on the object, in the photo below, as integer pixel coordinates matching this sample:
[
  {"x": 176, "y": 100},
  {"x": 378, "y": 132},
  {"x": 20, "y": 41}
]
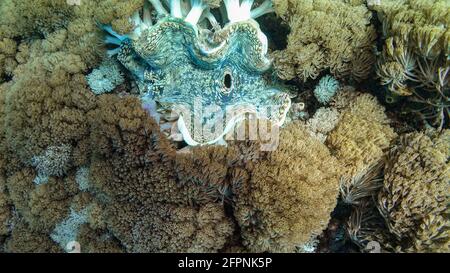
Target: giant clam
[{"x": 213, "y": 77}]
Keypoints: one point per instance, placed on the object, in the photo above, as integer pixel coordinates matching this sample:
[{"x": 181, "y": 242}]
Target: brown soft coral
[
  {"x": 25, "y": 240},
  {"x": 5, "y": 207},
  {"x": 362, "y": 135},
  {"x": 174, "y": 228},
  {"x": 146, "y": 207},
  {"x": 415, "y": 196},
  {"x": 245, "y": 177},
  {"x": 41, "y": 206},
  {"x": 8, "y": 50},
  {"x": 47, "y": 100},
  {"x": 79, "y": 22},
  {"x": 304, "y": 177},
  {"x": 97, "y": 241},
  {"x": 42, "y": 17},
  {"x": 117, "y": 13},
  {"x": 44, "y": 56},
  {"x": 359, "y": 141},
  {"x": 335, "y": 35}
]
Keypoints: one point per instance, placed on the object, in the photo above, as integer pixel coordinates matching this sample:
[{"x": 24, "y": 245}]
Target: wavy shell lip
[
  {"x": 190, "y": 138},
  {"x": 207, "y": 49},
  {"x": 196, "y": 133}
]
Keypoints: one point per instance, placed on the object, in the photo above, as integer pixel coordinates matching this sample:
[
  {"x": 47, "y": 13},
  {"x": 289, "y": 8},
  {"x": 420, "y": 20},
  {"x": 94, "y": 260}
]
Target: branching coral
[
  {"x": 334, "y": 35},
  {"x": 414, "y": 61}
]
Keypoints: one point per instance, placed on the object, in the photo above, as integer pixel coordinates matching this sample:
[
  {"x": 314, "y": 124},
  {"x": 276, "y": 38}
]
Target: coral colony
[
  {"x": 141, "y": 126},
  {"x": 211, "y": 76}
]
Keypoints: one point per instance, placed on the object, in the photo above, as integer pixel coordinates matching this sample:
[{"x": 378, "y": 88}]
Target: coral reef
[
  {"x": 362, "y": 134},
  {"x": 325, "y": 35},
  {"x": 147, "y": 208},
  {"x": 24, "y": 240},
  {"x": 323, "y": 122},
  {"x": 8, "y": 50},
  {"x": 91, "y": 155},
  {"x": 245, "y": 177},
  {"x": 5, "y": 212},
  {"x": 415, "y": 57},
  {"x": 67, "y": 231},
  {"x": 43, "y": 105},
  {"x": 55, "y": 161}
]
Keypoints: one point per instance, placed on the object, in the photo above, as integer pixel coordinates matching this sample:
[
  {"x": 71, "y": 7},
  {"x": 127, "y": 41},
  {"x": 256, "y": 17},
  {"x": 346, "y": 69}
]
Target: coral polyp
[{"x": 210, "y": 76}]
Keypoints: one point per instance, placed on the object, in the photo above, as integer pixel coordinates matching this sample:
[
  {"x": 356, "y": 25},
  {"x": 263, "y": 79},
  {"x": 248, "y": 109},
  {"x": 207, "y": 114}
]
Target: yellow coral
[
  {"x": 306, "y": 187},
  {"x": 359, "y": 141},
  {"x": 362, "y": 135},
  {"x": 334, "y": 35}
]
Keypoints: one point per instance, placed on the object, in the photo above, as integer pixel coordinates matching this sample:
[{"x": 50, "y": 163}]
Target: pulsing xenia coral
[{"x": 211, "y": 78}]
